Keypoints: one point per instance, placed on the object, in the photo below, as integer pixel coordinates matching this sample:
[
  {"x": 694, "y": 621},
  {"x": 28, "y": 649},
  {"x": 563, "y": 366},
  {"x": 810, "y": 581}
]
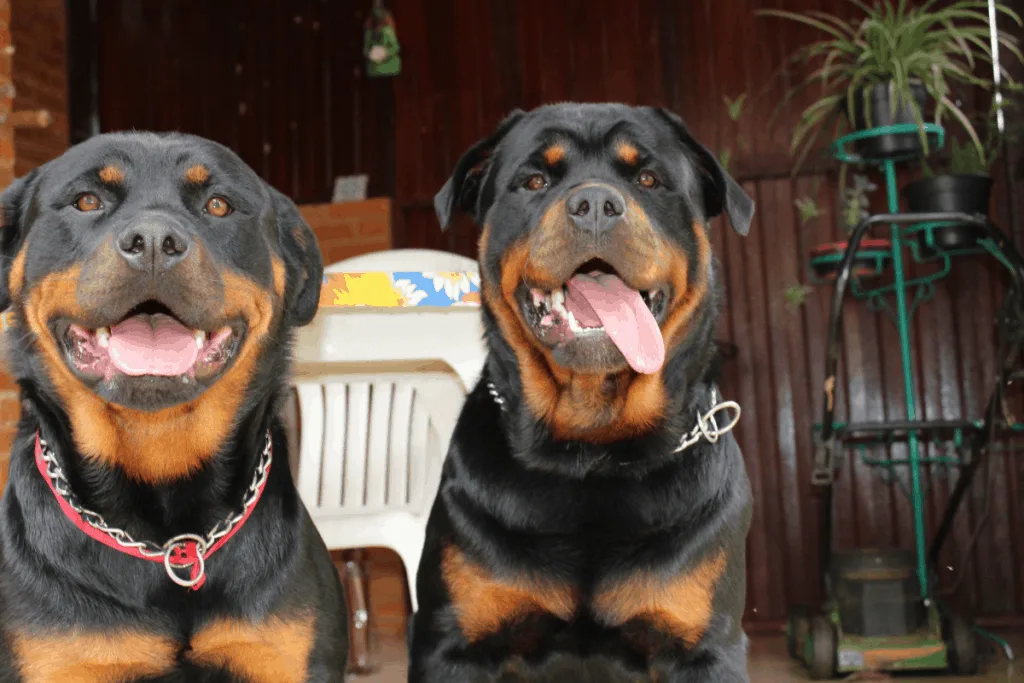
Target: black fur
[
  {"x": 526, "y": 506},
  {"x": 55, "y": 579}
]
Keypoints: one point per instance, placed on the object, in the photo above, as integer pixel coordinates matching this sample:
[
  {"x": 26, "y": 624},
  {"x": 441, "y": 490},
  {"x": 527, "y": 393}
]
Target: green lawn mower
[
  {"x": 880, "y": 613},
  {"x": 877, "y": 621}
]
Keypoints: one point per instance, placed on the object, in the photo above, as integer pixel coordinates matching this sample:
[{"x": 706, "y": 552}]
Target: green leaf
[
  {"x": 724, "y": 157},
  {"x": 796, "y": 296},
  {"x": 800, "y": 18},
  {"x": 808, "y": 209},
  {"x": 735, "y": 106}
]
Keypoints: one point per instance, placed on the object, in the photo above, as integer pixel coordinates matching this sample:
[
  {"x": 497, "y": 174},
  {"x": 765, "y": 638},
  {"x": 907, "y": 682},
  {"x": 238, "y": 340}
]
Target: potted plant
[
  {"x": 892, "y": 63},
  {"x": 873, "y": 254},
  {"x": 966, "y": 187}
]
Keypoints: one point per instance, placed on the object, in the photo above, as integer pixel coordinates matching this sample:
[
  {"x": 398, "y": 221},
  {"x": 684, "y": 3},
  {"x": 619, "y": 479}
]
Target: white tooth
[
  {"x": 103, "y": 337},
  {"x": 558, "y": 302},
  {"x": 538, "y": 296},
  {"x": 200, "y": 336}
]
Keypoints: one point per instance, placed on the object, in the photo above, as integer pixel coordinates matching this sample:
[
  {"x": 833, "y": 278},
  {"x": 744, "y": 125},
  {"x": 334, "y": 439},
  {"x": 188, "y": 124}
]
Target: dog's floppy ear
[
  {"x": 303, "y": 261},
  {"x": 462, "y": 191},
  {"x": 12, "y": 230},
  {"x": 721, "y": 192}
]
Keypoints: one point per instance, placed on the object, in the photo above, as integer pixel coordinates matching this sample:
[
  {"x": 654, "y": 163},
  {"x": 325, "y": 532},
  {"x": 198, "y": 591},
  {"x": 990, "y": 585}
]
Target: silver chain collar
[
  {"x": 149, "y": 549},
  {"x": 706, "y": 428}
]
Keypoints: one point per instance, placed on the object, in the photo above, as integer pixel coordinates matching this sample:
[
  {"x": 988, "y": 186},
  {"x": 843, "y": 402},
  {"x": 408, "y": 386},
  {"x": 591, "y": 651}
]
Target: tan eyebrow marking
[
  {"x": 554, "y": 154},
  {"x": 197, "y": 174},
  {"x": 111, "y": 174},
  {"x": 628, "y": 153}
]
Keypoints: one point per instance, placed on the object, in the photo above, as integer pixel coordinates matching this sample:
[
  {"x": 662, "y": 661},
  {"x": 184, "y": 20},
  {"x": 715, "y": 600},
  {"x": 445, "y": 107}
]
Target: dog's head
[
  {"x": 594, "y": 253},
  {"x": 152, "y": 279}
]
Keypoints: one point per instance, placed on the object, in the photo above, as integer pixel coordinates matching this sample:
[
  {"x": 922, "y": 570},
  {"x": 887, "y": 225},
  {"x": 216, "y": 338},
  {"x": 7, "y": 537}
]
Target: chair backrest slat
[
  {"x": 335, "y": 430},
  {"x": 378, "y": 444}
]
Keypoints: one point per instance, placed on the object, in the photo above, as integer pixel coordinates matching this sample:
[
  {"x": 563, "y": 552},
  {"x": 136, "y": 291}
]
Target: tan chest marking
[
  {"x": 273, "y": 651},
  {"x": 680, "y": 606},
  {"x": 92, "y": 657},
  {"x": 483, "y": 603}
]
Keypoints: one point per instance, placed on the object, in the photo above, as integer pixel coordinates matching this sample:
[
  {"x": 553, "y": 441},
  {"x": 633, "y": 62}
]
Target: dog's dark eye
[
  {"x": 648, "y": 179},
  {"x": 88, "y": 202},
  {"x": 219, "y": 207},
  {"x": 536, "y": 182}
]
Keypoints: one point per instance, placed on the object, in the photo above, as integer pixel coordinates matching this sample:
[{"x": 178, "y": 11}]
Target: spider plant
[
  {"x": 964, "y": 159},
  {"x": 934, "y": 46}
]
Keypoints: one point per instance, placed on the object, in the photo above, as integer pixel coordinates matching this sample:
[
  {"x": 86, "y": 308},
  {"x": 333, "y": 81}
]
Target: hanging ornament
[{"x": 380, "y": 43}]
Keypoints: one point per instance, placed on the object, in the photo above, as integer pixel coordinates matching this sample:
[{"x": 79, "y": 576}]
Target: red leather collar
[{"x": 187, "y": 552}]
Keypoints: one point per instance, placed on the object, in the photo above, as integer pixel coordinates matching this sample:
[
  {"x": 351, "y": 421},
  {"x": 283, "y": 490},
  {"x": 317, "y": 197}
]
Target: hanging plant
[
  {"x": 380, "y": 43},
  {"x": 891, "y": 63},
  {"x": 964, "y": 183}
]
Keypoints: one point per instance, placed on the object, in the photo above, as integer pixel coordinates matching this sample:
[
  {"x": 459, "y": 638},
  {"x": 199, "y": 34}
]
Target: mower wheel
[
  {"x": 824, "y": 642},
  {"x": 961, "y": 645}
]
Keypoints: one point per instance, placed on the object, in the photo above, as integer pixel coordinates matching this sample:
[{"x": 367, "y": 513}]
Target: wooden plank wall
[{"x": 281, "y": 83}]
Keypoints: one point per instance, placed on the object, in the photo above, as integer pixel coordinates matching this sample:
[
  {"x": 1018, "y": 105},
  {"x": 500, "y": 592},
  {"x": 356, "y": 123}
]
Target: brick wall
[
  {"x": 350, "y": 229},
  {"x": 6, "y": 90},
  {"x": 40, "y": 79},
  {"x": 32, "y": 51},
  {"x": 8, "y": 397}
]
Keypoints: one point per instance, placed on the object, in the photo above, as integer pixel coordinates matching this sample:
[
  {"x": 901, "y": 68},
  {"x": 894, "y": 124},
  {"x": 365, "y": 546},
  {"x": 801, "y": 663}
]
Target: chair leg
[
  {"x": 360, "y": 656},
  {"x": 411, "y": 562}
]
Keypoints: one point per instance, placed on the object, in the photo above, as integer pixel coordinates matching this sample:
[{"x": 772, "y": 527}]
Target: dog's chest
[
  {"x": 274, "y": 651},
  {"x": 676, "y": 606}
]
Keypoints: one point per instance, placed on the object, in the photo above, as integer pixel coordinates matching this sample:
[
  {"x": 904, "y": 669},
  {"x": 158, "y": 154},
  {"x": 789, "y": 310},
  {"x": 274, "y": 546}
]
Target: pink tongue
[
  {"x": 167, "y": 348},
  {"x": 605, "y": 300}
]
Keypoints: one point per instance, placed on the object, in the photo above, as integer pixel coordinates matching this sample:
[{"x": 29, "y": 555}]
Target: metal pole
[
  {"x": 997, "y": 75},
  {"x": 997, "y": 98},
  {"x": 907, "y": 360}
]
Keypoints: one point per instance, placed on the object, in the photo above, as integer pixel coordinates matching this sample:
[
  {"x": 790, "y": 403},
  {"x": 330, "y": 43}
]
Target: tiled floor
[{"x": 768, "y": 664}]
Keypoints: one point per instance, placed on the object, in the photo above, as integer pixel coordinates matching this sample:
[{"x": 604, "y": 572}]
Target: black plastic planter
[
  {"x": 963, "y": 193},
  {"x": 881, "y": 114}
]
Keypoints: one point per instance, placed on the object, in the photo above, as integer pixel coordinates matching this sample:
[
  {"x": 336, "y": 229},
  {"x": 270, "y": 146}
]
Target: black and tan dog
[
  {"x": 154, "y": 282},
  {"x": 578, "y": 534}
]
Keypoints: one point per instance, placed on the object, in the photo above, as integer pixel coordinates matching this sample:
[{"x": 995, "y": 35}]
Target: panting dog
[
  {"x": 593, "y": 509},
  {"x": 150, "y": 530}
]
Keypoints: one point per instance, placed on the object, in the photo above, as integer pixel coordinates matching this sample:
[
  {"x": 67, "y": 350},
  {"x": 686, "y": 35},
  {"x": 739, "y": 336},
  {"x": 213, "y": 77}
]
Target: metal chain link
[
  {"x": 706, "y": 427},
  {"x": 147, "y": 548}
]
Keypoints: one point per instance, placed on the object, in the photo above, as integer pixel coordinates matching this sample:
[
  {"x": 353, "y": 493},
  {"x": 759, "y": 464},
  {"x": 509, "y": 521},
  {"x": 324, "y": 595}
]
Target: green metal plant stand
[{"x": 880, "y": 612}]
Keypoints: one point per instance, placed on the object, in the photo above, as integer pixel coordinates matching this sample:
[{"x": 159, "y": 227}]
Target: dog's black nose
[
  {"x": 153, "y": 245},
  {"x": 596, "y": 208}
]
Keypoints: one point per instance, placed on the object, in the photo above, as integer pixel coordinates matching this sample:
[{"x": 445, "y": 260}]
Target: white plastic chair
[{"x": 377, "y": 409}]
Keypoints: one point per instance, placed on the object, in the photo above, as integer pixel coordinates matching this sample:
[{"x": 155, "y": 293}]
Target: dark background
[{"x": 282, "y": 83}]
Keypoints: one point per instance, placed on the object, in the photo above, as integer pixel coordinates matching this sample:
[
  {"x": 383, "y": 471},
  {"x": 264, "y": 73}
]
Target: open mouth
[
  {"x": 149, "y": 342},
  {"x": 596, "y": 305}
]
